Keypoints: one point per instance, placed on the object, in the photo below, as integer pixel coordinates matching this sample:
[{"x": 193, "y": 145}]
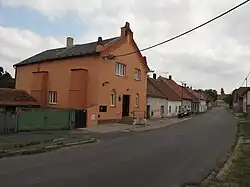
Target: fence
[
  {"x": 8, "y": 122},
  {"x": 45, "y": 119},
  {"x": 37, "y": 119}
]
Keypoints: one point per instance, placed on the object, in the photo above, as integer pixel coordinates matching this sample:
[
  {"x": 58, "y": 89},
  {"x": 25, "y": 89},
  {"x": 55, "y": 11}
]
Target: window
[
  {"x": 137, "y": 100},
  {"x": 176, "y": 109},
  {"x": 120, "y": 69},
  {"x": 169, "y": 109},
  {"x": 137, "y": 74},
  {"x": 112, "y": 99},
  {"x": 52, "y": 97}
]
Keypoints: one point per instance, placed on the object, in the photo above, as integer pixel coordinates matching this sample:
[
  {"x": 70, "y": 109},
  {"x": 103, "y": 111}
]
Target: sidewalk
[
  {"x": 151, "y": 125},
  {"x": 37, "y": 142}
]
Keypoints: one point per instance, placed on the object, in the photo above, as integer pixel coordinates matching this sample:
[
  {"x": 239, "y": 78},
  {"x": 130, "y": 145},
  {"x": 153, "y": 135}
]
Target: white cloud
[
  {"x": 214, "y": 56},
  {"x": 17, "y": 44}
]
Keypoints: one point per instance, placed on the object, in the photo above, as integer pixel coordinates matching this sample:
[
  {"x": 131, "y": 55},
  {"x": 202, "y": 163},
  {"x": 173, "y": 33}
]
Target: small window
[
  {"x": 137, "y": 74},
  {"x": 52, "y": 97},
  {"x": 112, "y": 99},
  {"x": 137, "y": 100},
  {"x": 169, "y": 109},
  {"x": 120, "y": 69}
]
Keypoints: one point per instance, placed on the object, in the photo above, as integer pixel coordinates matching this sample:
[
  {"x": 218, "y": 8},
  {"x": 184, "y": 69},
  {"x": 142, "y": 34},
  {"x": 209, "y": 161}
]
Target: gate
[
  {"x": 80, "y": 118},
  {"x": 8, "y": 122}
]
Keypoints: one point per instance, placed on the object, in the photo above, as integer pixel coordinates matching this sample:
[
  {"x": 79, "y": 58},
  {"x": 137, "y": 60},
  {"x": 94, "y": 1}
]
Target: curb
[{"x": 44, "y": 149}]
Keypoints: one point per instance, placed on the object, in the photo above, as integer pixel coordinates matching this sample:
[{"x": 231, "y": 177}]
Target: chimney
[
  {"x": 154, "y": 76},
  {"x": 145, "y": 59},
  {"x": 70, "y": 42},
  {"x": 126, "y": 31},
  {"x": 185, "y": 85},
  {"x": 191, "y": 87},
  {"x": 99, "y": 45},
  {"x": 188, "y": 87},
  {"x": 170, "y": 77}
]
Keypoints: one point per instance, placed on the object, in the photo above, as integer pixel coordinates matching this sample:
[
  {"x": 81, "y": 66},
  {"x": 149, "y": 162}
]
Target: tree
[
  {"x": 210, "y": 92},
  {"x": 229, "y": 99},
  {"x": 222, "y": 92},
  {"x": 6, "y": 81}
]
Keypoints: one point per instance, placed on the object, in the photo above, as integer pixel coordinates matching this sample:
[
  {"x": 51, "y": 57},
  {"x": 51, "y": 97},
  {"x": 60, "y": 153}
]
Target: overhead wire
[{"x": 186, "y": 32}]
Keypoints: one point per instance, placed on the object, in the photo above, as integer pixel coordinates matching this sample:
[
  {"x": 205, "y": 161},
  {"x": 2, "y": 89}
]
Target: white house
[
  {"x": 203, "y": 103},
  {"x": 162, "y": 100},
  {"x": 157, "y": 106}
]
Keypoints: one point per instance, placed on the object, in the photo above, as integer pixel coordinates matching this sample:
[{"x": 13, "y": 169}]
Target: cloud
[
  {"x": 17, "y": 44},
  {"x": 213, "y": 57}
]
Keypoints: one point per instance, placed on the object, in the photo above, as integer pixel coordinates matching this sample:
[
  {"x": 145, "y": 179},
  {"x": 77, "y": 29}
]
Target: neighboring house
[
  {"x": 246, "y": 102},
  {"x": 157, "y": 106},
  {"x": 203, "y": 103},
  {"x": 238, "y": 98},
  {"x": 180, "y": 90},
  {"x": 11, "y": 99},
  {"x": 195, "y": 106},
  {"x": 89, "y": 77},
  {"x": 209, "y": 100}
]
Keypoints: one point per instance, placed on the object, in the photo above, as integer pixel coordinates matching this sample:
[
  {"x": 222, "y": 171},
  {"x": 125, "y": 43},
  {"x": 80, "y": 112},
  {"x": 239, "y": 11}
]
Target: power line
[
  {"x": 187, "y": 32},
  {"x": 245, "y": 79}
]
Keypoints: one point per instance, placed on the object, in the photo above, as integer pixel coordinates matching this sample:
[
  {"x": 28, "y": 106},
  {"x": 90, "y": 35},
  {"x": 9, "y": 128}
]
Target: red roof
[
  {"x": 183, "y": 93},
  {"x": 16, "y": 97}
]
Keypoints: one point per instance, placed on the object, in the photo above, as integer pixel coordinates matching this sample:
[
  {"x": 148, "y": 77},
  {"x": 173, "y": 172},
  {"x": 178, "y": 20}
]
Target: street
[{"x": 167, "y": 157}]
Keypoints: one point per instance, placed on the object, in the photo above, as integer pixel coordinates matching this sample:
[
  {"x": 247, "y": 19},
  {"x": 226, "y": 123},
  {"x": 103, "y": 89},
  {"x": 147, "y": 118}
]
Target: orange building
[{"x": 94, "y": 77}]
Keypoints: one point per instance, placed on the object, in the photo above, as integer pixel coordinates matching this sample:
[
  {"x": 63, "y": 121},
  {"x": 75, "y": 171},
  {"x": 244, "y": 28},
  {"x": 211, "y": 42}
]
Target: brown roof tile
[
  {"x": 152, "y": 89},
  {"x": 16, "y": 97}
]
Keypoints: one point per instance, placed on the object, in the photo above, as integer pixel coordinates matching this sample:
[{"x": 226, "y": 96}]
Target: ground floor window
[
  {"x": 137, "y": 100},
  {"x": 112, "y": 99},
  {"x": 52, "y": 97},
  {"x": 169, "y": 109}
]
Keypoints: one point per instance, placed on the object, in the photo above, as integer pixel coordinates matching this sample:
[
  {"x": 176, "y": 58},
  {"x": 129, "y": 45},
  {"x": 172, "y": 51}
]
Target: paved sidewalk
[{"x": 120, "y": 127}]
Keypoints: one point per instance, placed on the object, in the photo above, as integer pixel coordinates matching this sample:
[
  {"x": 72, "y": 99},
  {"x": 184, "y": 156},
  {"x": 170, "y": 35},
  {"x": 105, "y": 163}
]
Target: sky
[{"x": 215, "y": 56}]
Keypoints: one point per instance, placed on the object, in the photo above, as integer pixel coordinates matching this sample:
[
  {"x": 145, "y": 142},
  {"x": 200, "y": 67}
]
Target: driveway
[{"x": 166, "y": 157}]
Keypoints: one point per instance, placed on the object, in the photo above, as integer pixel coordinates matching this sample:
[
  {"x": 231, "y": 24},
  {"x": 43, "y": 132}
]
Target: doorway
[
  {"x": 125, "y": 105},
  {"x": 80, "y": 118}
]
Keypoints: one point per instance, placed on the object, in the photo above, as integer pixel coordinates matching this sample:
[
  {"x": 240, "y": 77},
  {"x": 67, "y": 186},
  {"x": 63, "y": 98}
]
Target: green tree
[
  {"x": 222, "y": 92},
  {"x": 229, "y": 99},
  {"x": 210, "y": 92},
  {"x": 6, "y": 81}
]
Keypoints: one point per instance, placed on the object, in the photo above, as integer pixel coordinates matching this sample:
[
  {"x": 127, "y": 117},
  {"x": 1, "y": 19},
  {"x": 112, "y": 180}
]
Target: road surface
[{"x": 166, "y": 157}]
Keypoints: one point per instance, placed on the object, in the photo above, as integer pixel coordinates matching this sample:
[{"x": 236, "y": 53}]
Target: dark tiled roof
[
  {"x": 16, "y": 97},
  {"x": 60, "y": 53},
  {"x": 152, "y": 89},
  {"x": 194, "y": 95}
]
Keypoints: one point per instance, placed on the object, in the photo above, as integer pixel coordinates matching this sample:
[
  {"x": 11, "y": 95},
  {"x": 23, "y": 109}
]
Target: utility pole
[
  {"x": 246, "y": 81},
  {"x": 182, "y": 85}
]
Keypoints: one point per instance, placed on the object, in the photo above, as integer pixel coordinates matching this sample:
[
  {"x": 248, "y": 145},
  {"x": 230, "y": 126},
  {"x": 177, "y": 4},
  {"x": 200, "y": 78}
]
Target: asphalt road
[{"x": 166, "y": 157}]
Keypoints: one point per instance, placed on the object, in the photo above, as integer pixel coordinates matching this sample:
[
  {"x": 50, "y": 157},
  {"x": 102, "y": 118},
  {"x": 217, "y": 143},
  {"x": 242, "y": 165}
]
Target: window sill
[
  {"x": 112, "y": 106},
  {"x": 137, "y": 79},
  {"x": 52, "y": 103},
  {"x": 120, "y": 75}
]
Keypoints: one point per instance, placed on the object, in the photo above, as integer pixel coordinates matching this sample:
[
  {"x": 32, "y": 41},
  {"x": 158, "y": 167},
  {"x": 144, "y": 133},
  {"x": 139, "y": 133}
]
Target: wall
[
  {"x": 155, "y": 107},
  {"x": 122, "y": 85},
  {"x": 174, "y": 108},
  {"x": 59, "y": 78},
  {"x": 245, "y": 103},
  {"x": 203, "y": 106},
  {"x": 187, "y": 103}
]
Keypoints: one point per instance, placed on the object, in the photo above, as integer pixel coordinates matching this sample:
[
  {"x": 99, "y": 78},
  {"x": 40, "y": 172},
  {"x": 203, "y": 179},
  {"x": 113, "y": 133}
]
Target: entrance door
[
  {"x": 125, "y": 105},
  {"x": 148, "y": 111},
  {"x": 80, "y": 118}
]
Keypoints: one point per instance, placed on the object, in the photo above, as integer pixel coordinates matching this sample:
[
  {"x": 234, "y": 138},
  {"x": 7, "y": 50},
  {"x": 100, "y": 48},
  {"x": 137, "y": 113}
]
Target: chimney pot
[
  {"x": 70, "y": 42},
  {"x": 170, "y": 77},
  {"x": 127, "y": 25},
  {"x": 99, "y": 42},
  {"x": 154, "y": 76},
  {"x": 191, "y": 87}
]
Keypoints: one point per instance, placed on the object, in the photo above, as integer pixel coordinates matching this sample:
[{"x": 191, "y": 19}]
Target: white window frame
[
  {"x": 137, "y": 74},
  {"x": 112, "y": 99},
  {"x": 120, "y": 69},
  {"x": 137, "y": 100},
  {"x": 52, "y": 97}
]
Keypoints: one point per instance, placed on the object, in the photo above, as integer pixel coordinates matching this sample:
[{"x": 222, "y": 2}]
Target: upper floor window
[
  {"x": 137, "y": 74},
  {"x": 120, "y": 69},
  {"x": 52, "y": 97}
]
